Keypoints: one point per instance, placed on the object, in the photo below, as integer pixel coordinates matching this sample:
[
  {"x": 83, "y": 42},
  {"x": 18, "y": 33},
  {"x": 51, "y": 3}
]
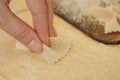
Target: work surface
[{"x": 87, "y": 59}]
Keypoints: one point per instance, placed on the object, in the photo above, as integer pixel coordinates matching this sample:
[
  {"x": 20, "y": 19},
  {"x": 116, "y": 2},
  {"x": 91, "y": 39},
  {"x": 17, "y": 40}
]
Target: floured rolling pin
[{"x": 99, "y": 19}]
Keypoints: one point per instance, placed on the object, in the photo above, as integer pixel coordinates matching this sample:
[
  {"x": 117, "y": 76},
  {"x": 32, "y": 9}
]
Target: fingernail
[{"x": 35, "y": 46}]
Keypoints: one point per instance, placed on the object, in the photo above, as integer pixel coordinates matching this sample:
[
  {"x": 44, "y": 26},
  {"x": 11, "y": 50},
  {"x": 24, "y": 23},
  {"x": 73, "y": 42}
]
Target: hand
[{"x": 42, "y": 15}]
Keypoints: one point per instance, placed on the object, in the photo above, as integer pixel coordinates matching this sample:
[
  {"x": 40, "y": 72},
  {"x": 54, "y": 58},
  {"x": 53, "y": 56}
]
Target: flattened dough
[
  {"x": 112, "y": 25},
  {"x": 109, "y": 16},
  {"x": 101, "y": 13},
  {"x": 21, "y": 46},
  {"x": 59, "y": 48}
]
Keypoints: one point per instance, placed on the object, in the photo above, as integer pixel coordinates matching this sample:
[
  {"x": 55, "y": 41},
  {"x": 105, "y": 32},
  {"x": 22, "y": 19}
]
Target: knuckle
[{"x": 23, "y": 36}]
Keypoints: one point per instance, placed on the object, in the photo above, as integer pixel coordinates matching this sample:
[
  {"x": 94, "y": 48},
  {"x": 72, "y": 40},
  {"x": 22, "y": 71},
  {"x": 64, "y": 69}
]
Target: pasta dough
[
  {"x": 21, "y": 46},
  {"x": 112, "y": 25},
  {"x": 109, "y": 16},
  {"x": 77, "y": 13},
  {"x": 59, "y": 48}
]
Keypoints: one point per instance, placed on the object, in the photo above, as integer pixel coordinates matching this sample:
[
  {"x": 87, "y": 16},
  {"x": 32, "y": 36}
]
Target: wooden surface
[{"x": 87, "y": 59}]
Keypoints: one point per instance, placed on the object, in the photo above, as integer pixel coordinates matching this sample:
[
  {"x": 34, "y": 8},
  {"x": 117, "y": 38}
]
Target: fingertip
[
  {"x": 45, "y": 40},
  {"x": 35, "y": 46}
]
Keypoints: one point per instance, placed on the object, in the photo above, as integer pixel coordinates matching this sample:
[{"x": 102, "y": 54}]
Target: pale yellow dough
[
  {"x": 58, "y": 49},
  {"x": 21, "y": 46},
  {"x": 109, "y": 16},
  {"x": 112, "y": 25}
]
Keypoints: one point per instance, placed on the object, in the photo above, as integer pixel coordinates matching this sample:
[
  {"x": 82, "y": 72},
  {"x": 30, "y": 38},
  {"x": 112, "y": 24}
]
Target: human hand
[{"x": 42, "y": 16}]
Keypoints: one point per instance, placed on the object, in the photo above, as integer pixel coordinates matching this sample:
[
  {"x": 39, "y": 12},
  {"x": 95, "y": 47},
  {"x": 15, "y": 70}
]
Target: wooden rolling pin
[{"x": 75, "y": 12}]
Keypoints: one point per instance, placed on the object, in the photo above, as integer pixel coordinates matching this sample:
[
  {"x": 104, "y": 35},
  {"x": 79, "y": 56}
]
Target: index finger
[{"x": 39, "y": 13}]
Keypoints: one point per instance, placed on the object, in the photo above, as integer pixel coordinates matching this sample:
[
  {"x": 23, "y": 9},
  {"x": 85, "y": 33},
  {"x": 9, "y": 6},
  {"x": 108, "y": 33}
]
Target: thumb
[{"x": 19, "y": 30}]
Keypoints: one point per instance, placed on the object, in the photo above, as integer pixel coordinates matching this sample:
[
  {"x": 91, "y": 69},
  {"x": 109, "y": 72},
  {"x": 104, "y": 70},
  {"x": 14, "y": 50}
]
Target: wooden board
[{"x": 87, "y": 59}]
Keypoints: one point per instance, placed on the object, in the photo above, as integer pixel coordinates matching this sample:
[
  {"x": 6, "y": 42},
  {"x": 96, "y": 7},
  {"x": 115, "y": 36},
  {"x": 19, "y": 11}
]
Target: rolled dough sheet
[
  {"x": 77, "y": 13},
  {"x": 109, "y": 16},
  {"x": 74, "y": 10},
  {"x": 112, "y": 26},
  {"x": 59, "y": 48}
]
